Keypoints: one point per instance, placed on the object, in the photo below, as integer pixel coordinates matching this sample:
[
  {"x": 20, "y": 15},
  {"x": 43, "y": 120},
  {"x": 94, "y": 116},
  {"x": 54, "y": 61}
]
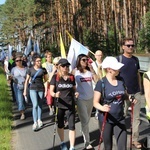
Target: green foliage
[
  {"x": 53, "y": 48},
  {"x": 144, "y": 34},
  {"x": 91, "y": 40},
  {"x": 5, "y": 114},
  {"x": 16, "y": 15}
]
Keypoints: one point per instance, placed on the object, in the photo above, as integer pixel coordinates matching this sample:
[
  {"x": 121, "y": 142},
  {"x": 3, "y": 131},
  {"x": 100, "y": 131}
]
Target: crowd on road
[{"x": 111, "y": 85}]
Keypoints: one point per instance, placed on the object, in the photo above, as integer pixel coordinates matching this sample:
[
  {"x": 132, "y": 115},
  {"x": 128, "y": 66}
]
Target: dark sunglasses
[
  {"x": 84, "y": 60},
  {"x": 130, "y": 45},
  {"x": 65, "y": 66},
  {"x": 18, "y": 60}
]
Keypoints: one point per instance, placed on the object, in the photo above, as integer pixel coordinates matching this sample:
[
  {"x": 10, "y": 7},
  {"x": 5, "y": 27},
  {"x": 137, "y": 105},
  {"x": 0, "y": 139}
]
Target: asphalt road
[{"x": 25, "y": 139}]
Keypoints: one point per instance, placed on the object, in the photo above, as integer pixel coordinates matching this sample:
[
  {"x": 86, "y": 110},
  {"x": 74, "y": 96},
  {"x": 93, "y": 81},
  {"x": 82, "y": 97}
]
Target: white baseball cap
[{"x": 111, "y": 62}]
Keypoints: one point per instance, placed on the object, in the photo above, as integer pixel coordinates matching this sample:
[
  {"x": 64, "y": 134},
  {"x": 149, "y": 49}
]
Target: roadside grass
[{"x": 5, "y": 114}]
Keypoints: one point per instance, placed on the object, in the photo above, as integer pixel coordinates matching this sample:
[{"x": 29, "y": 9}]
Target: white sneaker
[
  {"x": 89, "y": 146},
  {"x": 22, "y": 117},
  {"x": 51, "y": 112},
  {"x": 40, "y": 123},
  {"x": 35, "y": 126}
]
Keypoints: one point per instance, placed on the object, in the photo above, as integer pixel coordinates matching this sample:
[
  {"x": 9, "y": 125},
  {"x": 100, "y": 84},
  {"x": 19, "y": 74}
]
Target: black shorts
[{"x": 70, "y": 118}]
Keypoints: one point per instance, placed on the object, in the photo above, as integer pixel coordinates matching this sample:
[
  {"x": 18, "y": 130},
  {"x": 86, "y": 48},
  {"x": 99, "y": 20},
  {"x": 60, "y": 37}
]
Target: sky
[{"x": 2, "y": 1}]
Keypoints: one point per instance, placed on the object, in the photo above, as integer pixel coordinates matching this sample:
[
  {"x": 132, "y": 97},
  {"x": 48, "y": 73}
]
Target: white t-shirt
[
  {"x": 19, "y": 74},
  {"x": 84, "y": 84}
]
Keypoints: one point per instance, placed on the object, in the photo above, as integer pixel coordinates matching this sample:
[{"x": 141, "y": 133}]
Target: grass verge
[{"x": 5, "y": 114}]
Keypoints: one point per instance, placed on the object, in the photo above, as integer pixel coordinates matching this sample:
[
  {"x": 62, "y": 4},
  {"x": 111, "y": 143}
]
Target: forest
[{"x": 98, "y": 24}]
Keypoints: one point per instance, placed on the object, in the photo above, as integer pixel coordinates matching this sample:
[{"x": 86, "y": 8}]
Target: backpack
[
  {"x": 120, "y": 58},
  {"x": 70, "y": 76}
]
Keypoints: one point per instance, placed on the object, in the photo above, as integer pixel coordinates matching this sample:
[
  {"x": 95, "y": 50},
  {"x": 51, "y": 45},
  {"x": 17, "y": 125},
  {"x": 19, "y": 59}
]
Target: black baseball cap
[{"x": 63, "y": 61}]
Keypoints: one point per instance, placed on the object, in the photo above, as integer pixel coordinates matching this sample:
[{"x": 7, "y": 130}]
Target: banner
[{"x": 75, "y": 49}]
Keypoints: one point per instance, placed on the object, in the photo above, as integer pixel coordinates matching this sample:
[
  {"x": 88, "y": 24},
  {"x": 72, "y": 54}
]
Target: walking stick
[
  {"x": 103, "y": 127},
  {"x": 132, "y": 108},
  {"x": 55, "y": 125}
]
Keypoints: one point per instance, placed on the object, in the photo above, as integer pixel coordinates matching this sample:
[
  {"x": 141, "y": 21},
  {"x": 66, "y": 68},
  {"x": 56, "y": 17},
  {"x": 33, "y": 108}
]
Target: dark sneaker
[{"x": 63, "y": 146}]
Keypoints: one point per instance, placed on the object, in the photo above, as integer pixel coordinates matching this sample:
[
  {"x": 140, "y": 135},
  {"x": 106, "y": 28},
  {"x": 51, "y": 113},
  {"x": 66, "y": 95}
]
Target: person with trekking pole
[
  {"x": 109, "y": 96},
  {"x": 62, "y": 87},
  {"x": 132, "y": 78}
]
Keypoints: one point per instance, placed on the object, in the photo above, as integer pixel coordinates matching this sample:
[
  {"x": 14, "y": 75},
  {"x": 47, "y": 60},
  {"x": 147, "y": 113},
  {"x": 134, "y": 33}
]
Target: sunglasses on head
[
  {"x": 65, "y": 66},
  {"x": 84, "y": 59},
  {"x": 18, "y": 60},
  {"x": 132, "y": 45}
]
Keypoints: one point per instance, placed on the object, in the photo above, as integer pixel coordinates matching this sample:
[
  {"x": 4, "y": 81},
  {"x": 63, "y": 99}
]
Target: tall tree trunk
[{"x": 125, "y": 18}]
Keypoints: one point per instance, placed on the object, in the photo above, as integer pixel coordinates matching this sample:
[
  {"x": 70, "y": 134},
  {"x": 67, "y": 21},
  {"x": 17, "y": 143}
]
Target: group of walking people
[{"x": 105, "y": 84}]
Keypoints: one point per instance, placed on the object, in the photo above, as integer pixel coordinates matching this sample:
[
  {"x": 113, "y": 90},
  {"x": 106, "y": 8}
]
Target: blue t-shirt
[
  {"x": 129, "y": 72},
  {"x": 114, "y": 96}
]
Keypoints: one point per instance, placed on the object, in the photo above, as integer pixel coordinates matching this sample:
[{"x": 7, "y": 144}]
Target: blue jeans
[
  {"x": 19, "y": 97},
  {"x": 37, "y": 100}
]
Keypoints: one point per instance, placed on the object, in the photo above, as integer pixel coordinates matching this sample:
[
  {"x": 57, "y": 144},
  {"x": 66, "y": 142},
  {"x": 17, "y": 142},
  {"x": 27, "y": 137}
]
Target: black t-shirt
[
  {"x": 113, "y": 96},
  {"x": 129, "y": 72},
  {"x": 66, "y": 100},
  {"x": 37, "y": 84}
]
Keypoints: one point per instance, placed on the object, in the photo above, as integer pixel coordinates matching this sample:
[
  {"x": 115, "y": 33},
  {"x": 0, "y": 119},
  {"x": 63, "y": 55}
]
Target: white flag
[{"x": 75, "y": 49}]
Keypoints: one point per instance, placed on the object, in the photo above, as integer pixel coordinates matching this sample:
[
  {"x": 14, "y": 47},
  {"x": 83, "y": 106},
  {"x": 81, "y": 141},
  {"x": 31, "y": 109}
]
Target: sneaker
[
  {"x": 22, "y": 117},
  {"x": 40, "y": 123},
  {"x": 72, "y": 148},
  {"x": 35, "y": 126},
  {"x": 51, "y": 112},
  {"x": 89, "y": 146},
  {"x": 63, "y": 146}
]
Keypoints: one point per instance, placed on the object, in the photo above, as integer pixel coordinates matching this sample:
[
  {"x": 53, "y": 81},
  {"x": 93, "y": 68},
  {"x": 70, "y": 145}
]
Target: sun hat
[
  {"x": 111, "y": 62},
  {"x": 63, "y": 61}
]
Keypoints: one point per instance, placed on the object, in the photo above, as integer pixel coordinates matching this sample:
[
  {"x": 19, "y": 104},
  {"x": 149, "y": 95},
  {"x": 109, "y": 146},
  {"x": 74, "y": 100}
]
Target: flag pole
[
  {"x": 69, "y": 34},
  {"x": 91, "y": 52}
]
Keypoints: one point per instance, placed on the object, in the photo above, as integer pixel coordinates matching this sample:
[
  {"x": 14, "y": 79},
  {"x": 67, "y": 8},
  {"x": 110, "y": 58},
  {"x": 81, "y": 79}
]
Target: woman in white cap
[
  {"x": 62, "y": 87},
  {"x": 109, "y": 96}
]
